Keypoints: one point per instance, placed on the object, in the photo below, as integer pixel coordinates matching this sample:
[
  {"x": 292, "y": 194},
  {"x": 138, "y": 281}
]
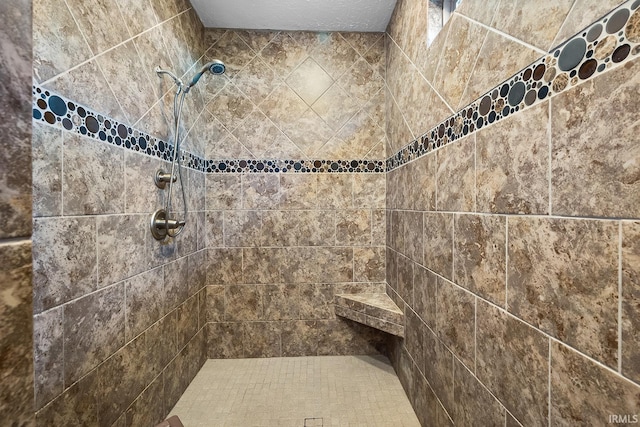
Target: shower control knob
[{"x": 162, "y": 178}]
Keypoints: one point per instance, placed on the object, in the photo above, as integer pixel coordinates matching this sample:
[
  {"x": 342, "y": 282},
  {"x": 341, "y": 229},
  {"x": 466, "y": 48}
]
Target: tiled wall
[
  {"x": 16, "y": 324},
  {"x": 514, "y": 248},
  {"x": 297, "y": 95},
  {"x": 282, "y": 244},
  {"x": 119, "y": 317},
  {"x": 280, "y": 247}
]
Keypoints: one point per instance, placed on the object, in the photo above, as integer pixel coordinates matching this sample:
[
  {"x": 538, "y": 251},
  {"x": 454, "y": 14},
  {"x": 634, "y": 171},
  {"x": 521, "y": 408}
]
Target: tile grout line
[{"x": 620, "y": 295}]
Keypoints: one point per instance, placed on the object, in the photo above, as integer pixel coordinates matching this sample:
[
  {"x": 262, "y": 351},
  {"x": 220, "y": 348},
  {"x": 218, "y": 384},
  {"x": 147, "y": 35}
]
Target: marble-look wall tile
[
  {"x": 424, "y": 291},
  {"x": 563, "y": 278},
  {"x": 480, "y": 255},
  {"x": 187, "y": 321},
  {"x": 78, "y": 406},
  {"x": 405, "y": 279},
  {"x": 148, "y": 408},
  {"x": 64, "y": 261},
  {"x": 456, "y": 65},
  {"x": 144, "y": 296},
  {"x": 587, "y": 176},
  {"x": 93, "y": 177},
  {"x": 521, "y": 19},
  {"x": 16, "y": 334},
  {"x": 162, "y": 343},
  {"x": 513, "y": 363},
  {"x": 47, "y": 170},
  {"x": 262, "y": 265},
  {"x": 176, "y": 290},
  {"x": 413, "y": 236},
  {"x": 224, "y": 340},
  {"x": 630, "y": 295},
  {"x": 512, "y": 172},
  {"x": 456, "y": 176},
  {"x": 223, "y": 191},
  {"x": 474, "y": 405},
  {"x": 414, "y": 338},
  {"x": 142, "y": 195},
  {"x": 498, "y": 58},
  {"x": 298, "y": 191},
  {"x": 281, "y": 302},
  {"x": 456, "y": 320},
  {"x": 369, "y": 264},
  {"x": 93, "y": 330},
  {"x": 225, "y": 267},
  {"x": 438, "y": 368},
  {"x": 581, "y": 15},
  {"x": 121, "y": 247},
  {"x": 353, "y": 227},
  {"x": 582, "y": 391},
  {"x": 242, "y": 303},
  {"x": 262, "y": 339},
  {"x": 48, "y": 356},
  {"x": 438, "y": 243},
  {"x": 122, "y": 377},
  {"x": 58, "y": 43},
  {"x": 97, "y": 22}
]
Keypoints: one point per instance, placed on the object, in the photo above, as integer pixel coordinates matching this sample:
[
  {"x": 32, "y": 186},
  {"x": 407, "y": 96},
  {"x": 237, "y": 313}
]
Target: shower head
[{"x": 215, "y": 67}]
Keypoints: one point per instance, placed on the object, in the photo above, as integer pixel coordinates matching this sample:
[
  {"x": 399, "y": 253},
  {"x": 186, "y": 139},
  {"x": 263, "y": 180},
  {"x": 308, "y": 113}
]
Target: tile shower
[{"x": 293, "y": 200}]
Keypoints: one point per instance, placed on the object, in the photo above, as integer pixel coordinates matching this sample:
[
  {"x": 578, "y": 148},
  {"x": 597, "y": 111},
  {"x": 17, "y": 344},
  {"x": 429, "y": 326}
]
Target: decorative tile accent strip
[
  {"x": 70, "y": 116},
  {"x": 299, "y": 166},
  {"x": 602, "y": 46}
]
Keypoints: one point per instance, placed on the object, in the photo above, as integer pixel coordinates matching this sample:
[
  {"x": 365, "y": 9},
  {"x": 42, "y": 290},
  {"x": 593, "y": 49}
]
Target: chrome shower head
[{"x": 215, "y": 67}]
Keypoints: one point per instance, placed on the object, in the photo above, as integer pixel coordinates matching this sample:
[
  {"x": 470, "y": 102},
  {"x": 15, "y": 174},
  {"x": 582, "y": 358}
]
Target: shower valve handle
[{"x": 162, "y": 178}]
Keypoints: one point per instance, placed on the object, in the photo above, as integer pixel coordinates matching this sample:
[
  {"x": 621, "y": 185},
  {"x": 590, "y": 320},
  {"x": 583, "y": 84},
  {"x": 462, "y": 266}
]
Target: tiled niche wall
[
  {"x": 16, "y": 348},
  {"x": 118, "y": 316},
  {"x": 514, "y": 250},
  {"x": 282, "y": 244}
]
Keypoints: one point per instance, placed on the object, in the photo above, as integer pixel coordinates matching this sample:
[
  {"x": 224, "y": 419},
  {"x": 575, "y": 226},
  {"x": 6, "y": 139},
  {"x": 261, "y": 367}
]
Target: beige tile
[
  {"x": 473, "y": 403},
  {"x": 335, "y": 55},
  {"x": 582, "y": 390},
  {"x": 231, "y": 49},
  {"x": 456, "y": 177},
  {"x": 513, "y": 172},
  {"x": 47, "y": 171},
  {"x": 64, "y": 263},
  {"x": 480, "y": 255},
  {"x": 223, "y": 191},
  {"x": 230, "y": 107},
  {"x": 309, "y": 133},
  {"x": 481, "y": 12},
  {"x": 438, "y": 368},
  {"x": 521, "y": 19},
  {"x": 513, "y": 363},
  {"x": 353, "y": 227},
  {"x": 138, "y": 15},
  {"x": 90, "y": 339},
  {"x": 88, "y": 84},
  {"x": 499, "y": 57},
  {"x": 327, "y": 107},
  {"x": 224, "y": 267},
  {"x": 242, "y": 303},
  {"x": 361, "y": 81},
  {"x": 48, "y": 356},
  {"x": 309, "y": 81},
  {"x": 456, "y": 320},
  {"x": 58, "y": 44},
  {"x": 144, "y": 301},
  {"x": 283, "y": 54},
  {"x": 98, "y": 22},
  {"x": 630, "y": 285},
  {"x": 283, "y": 106},
  {"x": 555, "y": 285},
  {"x": 257, "y": 133},
  {"x": 424, "y": 291},
  {"x": 456, "y": 65},
  {"x": 256, "y": 80},
  {"x": 78, "y": 406},
  {"x": 298, "y": 191},
  {"x": 361, "y": 133},
  {"x": 121, "y": 247},
  {"x": 260, "y": 191},
  {"x": 588, "y": 175}
]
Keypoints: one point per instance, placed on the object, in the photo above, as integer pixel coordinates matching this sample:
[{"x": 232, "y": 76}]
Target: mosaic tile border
[
  {"x": 55, "y": 110},
  {"x": 605, "y": 44}
]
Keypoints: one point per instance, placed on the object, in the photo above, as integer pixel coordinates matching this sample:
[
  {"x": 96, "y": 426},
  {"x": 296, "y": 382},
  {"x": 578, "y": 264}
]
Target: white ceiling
[{"x": 306, "y": 15}]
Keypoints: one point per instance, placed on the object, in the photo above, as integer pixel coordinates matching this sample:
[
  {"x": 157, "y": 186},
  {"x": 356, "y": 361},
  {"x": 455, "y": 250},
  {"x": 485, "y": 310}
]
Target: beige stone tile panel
[
  {"x": 521, "y": 19},
  {"x": 58, "y": 44},
  {"x": 513, "y": 363},
  {"x": 595, "y": 149},
  {"x": 583, "y": 391},
  {"x": 513, "y": 171},
  {"x": 555, "y": 285},
  {"x": 630, "y": 295}
]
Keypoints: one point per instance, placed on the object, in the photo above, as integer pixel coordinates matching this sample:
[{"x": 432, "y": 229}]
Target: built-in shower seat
[{"x": 376, "y": 310}]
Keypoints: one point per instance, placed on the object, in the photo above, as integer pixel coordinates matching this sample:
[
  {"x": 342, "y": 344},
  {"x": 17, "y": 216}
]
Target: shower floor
[{"x": 341, "y": 391}]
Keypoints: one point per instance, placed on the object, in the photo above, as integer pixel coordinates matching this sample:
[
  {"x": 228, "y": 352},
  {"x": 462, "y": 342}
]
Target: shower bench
[{"x": 376, "y": 310}]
